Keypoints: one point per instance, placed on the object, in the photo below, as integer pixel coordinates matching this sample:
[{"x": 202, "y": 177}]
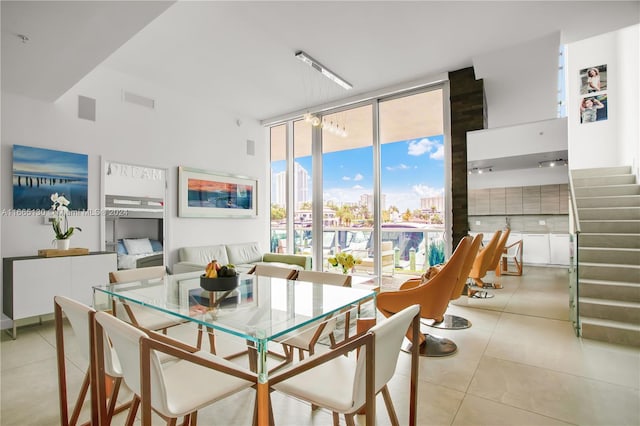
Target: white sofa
[{"x": 243, "y": 255}]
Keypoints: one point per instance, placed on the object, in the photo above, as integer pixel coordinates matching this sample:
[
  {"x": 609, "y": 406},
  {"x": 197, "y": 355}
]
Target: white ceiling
[{"x": 240, "y": 55}]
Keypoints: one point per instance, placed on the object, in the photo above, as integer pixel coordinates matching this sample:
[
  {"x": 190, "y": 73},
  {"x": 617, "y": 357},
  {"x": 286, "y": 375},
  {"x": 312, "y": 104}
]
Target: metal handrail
[{"x": 575, "y": 226}]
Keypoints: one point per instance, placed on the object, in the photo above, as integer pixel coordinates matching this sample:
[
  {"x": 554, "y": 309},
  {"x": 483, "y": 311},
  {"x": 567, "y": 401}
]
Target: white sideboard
[{"x": 29, "y": 283}]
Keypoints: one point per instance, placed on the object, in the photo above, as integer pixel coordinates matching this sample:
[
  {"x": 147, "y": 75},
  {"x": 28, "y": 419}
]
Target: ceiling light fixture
[
  {"x": 553, "y": 163},
  {"x": 323, "y": 70}
]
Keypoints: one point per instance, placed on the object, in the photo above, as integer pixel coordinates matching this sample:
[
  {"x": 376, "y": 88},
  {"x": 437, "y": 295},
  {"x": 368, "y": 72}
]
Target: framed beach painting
[
  {"x": 209, "y": 194},
  {"x": 39, "y": 172}
]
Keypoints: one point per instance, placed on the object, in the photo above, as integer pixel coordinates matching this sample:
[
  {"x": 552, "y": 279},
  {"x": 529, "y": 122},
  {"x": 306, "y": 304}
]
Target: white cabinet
[
  {"x": 29, "y": 283},
  {"x": 559, "y": 249},
  {"x": 535, "y": 248}
]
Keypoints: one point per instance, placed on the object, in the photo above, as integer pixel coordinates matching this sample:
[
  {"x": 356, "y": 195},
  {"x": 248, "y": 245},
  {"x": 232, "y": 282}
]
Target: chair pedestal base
[
  {"x": 450, "y": 322},
  {"x": 433, "y": 346}
]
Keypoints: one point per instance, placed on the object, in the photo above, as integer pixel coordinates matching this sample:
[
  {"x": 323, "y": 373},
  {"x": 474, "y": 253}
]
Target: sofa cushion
[
  {"x": 242, "y": 253},
  {"x": 299, "y": 260},
  {"x": 204, "y": 254}
]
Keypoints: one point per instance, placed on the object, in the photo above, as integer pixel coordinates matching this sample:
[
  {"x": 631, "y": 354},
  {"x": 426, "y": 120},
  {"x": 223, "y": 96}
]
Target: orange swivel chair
[
  {"x": 495, "y": 261},
  {"x": 433, "y": 296},
  {"x": 454, "y": 322},
  {"x": 481, "y": 265}
]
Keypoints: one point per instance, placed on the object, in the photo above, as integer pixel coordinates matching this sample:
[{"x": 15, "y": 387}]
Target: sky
[{"x": 411, "y": 170}]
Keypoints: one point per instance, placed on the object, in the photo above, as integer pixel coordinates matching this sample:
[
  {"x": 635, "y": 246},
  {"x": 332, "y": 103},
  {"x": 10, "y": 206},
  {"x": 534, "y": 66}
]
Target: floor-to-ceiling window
[
  {"x": 386, "y": 154},
  {"x": 278, "y": 143},
  {"x": 347, "y": 184},
  {"x": 412, "y": 180}
]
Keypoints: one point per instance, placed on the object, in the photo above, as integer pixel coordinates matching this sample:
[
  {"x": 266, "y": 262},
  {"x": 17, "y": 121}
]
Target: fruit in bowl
[{"x": 219, "y": 278}]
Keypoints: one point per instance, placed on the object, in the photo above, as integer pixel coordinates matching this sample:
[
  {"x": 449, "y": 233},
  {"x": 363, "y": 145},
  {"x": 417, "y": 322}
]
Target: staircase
[{"x": 608, "y": 204}]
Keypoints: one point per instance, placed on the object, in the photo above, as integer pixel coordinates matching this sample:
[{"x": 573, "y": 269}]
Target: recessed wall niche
[{"x": 134, "y": 206}]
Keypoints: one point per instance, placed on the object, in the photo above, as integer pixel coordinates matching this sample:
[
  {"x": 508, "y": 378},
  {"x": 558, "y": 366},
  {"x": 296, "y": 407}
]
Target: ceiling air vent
[{"x": 138, "y": 100}]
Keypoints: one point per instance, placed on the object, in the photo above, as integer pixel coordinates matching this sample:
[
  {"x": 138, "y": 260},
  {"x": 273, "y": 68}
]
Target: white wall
[
  {"x": 521, "y": 82},
  {"x": 181, "y": 131},
  {"x": 614, "y": 141}
]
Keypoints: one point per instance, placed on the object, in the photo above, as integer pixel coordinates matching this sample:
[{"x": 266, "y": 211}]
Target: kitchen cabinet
[
  {"x": 535, "y": 248},
  {"x": 559, "y": 249}
]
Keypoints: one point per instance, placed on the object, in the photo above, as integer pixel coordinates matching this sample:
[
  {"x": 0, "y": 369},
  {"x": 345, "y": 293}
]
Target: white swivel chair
[
  {"x": 344, "y": 385},
  {"x": 80, "y": 317},
  {"x": 177, "y": 389}
]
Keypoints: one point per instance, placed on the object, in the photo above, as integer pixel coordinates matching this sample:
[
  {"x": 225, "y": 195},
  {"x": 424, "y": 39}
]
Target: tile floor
[{"x": 519, "y": 364}]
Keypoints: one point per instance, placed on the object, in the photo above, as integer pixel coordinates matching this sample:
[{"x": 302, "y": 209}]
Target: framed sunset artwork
[{"x": 203, "y": 193}]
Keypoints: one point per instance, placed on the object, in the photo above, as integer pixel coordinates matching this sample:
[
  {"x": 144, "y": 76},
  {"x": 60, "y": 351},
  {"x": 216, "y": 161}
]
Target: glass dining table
[{"x": 259, "y": 310}]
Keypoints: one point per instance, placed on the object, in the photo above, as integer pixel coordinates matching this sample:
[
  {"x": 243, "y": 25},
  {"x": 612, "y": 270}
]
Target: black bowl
[{"x": 218, "y": 284}]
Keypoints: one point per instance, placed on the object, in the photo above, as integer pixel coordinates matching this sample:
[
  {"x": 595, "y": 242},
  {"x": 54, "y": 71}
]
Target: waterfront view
[{"x": 411, "y": 199}]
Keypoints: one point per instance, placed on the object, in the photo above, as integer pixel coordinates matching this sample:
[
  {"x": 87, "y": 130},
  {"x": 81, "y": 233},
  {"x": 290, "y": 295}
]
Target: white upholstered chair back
[
  {"x": 125, "y": 275},
  {"x": 388, "y": 335},
  {"x": 126, "y": 342},
  {"x": 274, "y": 272},
  {"x": 325, "y": 278}
]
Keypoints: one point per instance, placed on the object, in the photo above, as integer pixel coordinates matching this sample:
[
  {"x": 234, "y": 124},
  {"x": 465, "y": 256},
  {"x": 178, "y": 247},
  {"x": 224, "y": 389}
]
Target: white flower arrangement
[{"x": 60, "y": 222}]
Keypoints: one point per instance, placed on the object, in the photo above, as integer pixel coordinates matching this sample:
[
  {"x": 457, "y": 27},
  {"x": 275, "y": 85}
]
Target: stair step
[
  {"x": 618, "y": 256},
  {"x": 610, "y": 226},
  {"x": 614, "y": 310},
  {"x": 611, "y": 290},
  {"x": 621, "y": 213},
  {"x": 601, "y": 171},
  {"x": 612, "y": 201},
  {"x": 608, "y": 271},
  {"x": 587, "y": 239},
  {"x": 596, "y": 191},
  {"x": 604, "y": 180},
  {"x": 610, "y": 331}
]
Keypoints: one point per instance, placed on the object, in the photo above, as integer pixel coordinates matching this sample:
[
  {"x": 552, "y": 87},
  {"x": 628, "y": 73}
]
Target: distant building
[
  {"x": 279, "y": 189},
  {"x": 301, "y": 184},
  {"x": 367, "y": 200},
  {"x": 302, "y": 193},
  {"x": 427, "y": 204}
]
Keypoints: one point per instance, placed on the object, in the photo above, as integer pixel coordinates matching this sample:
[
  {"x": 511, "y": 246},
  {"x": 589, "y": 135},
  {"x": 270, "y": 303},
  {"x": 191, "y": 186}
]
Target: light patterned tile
[
  {"x": 557, "y": 395},
  {"x": 481, "y": 412}
]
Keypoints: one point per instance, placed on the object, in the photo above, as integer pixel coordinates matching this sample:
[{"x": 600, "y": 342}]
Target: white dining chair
[
  {"x": 273, "y": 271},
  {"x": 178, "y": 389},
  {"x": 137, "y": 315},
  {"x": 307, "y": 338},
  {"x": 345, "y": 385},
  {"x": 80, "y": 317}
]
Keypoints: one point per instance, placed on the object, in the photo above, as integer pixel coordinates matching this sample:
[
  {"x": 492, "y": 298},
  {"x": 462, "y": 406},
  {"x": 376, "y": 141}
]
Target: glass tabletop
[{"x": 259, "y": 309}]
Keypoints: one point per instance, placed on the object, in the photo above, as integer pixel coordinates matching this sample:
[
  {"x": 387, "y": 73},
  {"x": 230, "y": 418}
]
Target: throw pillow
[{"x": 138, "y": 245}]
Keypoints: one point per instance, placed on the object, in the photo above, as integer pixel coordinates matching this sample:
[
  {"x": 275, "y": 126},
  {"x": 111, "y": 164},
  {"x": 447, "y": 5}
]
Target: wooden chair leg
[
  {"x": 133, "y": 411},
  {"x": 389, "y": 403},
  {"x": 186, "y": 420},
  {"x": 336, "y": 419},
  {"x": 194, "y": 419},
  {"x": 349, "y": 419},
  {"x": 81, "y": 396},
  {"x": 172, "y": 421}
]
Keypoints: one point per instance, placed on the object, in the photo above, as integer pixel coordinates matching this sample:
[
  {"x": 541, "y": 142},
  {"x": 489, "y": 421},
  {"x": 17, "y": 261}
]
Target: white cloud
[
  {"x": 357, "y": 187},
  {"x": 426, "y": 191},
  {"x": 358, "y": 177},
  {"x": 438, "y": 154},
  {"x": 398, "y": 167},
  {"x": 346, "y": 178},
  {"x": 417, "y": 148}
]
